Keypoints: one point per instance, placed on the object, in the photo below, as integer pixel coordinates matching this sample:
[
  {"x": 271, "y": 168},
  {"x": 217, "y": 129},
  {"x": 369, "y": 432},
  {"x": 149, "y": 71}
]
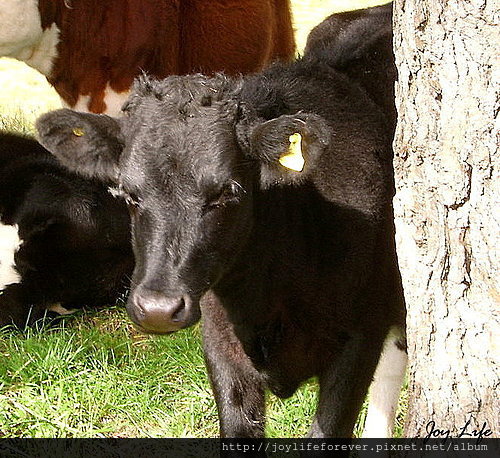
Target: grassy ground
[{"x": 94, "y": 375}]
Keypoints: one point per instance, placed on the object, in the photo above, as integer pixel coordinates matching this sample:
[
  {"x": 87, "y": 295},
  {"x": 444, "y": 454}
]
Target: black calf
[
  {"x": 64, "y": 240},
  {"x": 359, "y": 44},
  {"x": 268, "y": 199}
]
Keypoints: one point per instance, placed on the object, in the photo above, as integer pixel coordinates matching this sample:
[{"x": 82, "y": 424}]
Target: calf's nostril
[
  {"x": 178, "y": 310},
  {"x": 140, "y": 304}
]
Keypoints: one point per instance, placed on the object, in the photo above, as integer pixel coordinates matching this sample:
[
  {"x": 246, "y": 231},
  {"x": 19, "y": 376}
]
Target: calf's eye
[
  {"x": 227, "y": 195},
  {"x": 131, "y": 199}
]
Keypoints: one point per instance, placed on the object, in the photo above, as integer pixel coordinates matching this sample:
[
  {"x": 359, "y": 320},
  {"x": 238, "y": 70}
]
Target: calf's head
[{"x": 190, "y": 160}]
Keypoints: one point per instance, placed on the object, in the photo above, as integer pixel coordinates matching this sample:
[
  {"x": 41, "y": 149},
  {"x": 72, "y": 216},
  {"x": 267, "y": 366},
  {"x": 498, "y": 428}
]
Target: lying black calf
[
  {"x": 268, "y": 200},
  {"x": 64, "y": 240}
]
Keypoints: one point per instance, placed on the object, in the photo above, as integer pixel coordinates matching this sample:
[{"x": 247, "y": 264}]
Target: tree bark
[{"x": 447, "y": 210}]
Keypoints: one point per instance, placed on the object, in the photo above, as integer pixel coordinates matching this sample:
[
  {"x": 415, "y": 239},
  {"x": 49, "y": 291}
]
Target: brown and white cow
[{"x": 91, "y": 50}]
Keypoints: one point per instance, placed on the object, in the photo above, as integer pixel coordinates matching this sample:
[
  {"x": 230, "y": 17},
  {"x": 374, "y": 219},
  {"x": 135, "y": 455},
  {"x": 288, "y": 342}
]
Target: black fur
[
  {"x": 359, "y": 44},
  {"x": 75, "y": 236},
  {"x": 296, "y": 271}
]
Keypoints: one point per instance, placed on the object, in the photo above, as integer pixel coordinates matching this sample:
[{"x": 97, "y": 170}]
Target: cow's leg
[
  {"x": 236, "y": 384},
  {"x": 386, "y": 386},
  {"x": 343, "y": 387}
]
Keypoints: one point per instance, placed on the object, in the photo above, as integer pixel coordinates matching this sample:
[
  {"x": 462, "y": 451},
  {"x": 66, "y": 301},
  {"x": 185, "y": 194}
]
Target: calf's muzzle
[{"x": 155, "y": 313}]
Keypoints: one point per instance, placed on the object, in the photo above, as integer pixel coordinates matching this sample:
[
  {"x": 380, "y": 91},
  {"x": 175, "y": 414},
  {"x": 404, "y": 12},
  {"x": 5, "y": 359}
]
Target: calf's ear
[
  {"x": 85, "y": 143},
  {"x": 288, "y": 147}
]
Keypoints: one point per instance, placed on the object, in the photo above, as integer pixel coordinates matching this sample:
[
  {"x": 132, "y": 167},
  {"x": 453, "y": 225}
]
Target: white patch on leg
[
  {"x": 385, "y": 389},
  {"x": 22, "y": 36},
  {"x": 58, "y": 308},
  {"x": 82, "y": 104},
  {"x": 114, "y": 101},
  {"x": 9, "y": 244}
]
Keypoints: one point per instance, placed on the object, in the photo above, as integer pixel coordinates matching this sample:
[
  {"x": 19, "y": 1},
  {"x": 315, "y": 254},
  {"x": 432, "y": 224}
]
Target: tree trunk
[{"x": 447, "y": 212}]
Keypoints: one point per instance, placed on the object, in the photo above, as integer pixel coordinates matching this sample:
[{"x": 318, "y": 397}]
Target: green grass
[{"x": 94, "y": 375}]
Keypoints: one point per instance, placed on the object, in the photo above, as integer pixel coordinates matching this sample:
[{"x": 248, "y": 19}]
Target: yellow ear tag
[
  {"x": 293, "y": 158},
  {"x": 78, "y": 132}
]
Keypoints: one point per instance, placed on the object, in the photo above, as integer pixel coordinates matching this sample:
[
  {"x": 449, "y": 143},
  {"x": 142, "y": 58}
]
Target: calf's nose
[{"x": 157, "y": 313}]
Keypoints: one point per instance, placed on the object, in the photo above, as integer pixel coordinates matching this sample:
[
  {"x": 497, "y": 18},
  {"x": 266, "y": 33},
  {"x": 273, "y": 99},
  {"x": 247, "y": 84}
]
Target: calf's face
[
  {"x": 190, "y": 165},
  {"x": 189, "y": 200}
]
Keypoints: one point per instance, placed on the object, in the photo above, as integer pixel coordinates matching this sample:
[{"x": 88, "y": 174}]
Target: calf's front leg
[
  {"x": 343, "y": 387},
  {"x": 237, "y": 386}
]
